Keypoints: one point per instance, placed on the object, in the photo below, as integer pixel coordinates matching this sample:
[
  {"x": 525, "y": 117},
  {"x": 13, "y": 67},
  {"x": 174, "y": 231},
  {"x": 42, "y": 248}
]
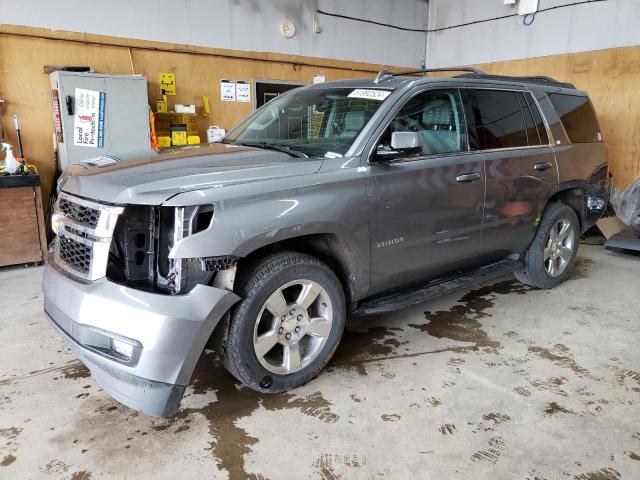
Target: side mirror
[{"x": 403, "y": 144}]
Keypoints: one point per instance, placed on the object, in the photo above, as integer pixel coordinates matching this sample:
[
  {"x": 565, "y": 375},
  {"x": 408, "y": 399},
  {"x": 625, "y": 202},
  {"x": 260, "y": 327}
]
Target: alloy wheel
[
  {"x": 559, "y": 248},
  {"x": 293, "y": 326}
]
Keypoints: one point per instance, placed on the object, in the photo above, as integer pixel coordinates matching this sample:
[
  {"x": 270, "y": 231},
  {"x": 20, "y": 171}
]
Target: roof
[{"x": 392, "y": 81}]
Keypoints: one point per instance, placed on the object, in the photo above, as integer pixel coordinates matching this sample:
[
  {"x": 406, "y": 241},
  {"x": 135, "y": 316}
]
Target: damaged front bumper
[{"x": 140, "y": 347}]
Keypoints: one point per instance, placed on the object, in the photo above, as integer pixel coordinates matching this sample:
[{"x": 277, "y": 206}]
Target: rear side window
[
  {"x": 577, "y": 116},
  {"x": 537, "y": 118},
  {"x": 532, "y": 132},
  {"x": 536, "y": 131},
  {"x": 495, "y": 119}
]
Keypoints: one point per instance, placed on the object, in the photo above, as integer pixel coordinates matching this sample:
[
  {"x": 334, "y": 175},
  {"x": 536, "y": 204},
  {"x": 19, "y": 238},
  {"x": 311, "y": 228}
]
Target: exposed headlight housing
[
  {"x": 143, "y": 240},
  {"x": 180, "y": 275}
]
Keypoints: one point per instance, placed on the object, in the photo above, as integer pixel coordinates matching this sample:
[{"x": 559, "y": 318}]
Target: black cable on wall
[{"x": 527, "y": 20}]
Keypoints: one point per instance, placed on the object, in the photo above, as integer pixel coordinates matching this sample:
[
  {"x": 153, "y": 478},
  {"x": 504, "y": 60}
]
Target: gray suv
[{"x": 344, "y": 198}]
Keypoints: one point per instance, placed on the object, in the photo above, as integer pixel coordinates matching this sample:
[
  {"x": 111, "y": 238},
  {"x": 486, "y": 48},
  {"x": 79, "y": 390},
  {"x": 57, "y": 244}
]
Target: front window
[
  {"x": 316, "y": 122},
  {"x": 437, "y": 116}
]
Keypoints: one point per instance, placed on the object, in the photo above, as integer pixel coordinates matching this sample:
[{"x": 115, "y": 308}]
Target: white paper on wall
[
  {"x": 227, "y": 90},
  {"x": 243, "y": 91}
]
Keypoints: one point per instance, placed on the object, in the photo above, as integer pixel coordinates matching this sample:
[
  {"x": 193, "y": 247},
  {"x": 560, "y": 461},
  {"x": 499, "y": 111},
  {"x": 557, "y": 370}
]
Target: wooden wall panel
[{"x": 198, "y": 72}]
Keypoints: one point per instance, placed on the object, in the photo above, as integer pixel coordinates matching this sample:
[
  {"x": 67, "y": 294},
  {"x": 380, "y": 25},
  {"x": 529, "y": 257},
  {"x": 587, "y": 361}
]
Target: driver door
[{"x": 426, "y": 207}]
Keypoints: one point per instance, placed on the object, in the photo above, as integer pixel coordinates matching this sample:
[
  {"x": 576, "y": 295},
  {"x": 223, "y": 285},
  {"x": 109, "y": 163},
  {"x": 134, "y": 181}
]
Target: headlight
[{"x": 56, "y": 222}]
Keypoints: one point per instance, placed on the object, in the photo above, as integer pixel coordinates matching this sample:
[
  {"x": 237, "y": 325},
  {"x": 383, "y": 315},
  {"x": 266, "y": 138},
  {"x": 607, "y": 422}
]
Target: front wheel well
[{"x": 327, "y": 247}]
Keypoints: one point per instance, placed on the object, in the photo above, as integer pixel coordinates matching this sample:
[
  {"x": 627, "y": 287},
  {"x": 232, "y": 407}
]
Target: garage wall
[
  {"x": 579, "y": 28},
  {"x": 250, "y": 25},
  {"x": 201, "y": 41},
  {"x": 594, "y": 46},
  {"x": 25, "y": 50}
]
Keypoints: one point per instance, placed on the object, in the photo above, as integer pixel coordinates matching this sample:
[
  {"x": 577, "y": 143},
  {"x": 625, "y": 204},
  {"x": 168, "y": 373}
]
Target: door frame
[{"x": 256, "y": 81}]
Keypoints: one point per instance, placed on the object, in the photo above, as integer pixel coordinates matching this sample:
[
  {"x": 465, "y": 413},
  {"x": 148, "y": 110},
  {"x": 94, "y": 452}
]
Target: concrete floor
[{"x": 502, "y": 382}]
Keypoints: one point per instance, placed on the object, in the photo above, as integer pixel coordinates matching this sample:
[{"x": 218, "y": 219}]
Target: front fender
[{"x": 336, "y": 204}]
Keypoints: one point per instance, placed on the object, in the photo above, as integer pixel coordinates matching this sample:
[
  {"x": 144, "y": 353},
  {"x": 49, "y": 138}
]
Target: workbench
[{"x": 23, "y": 236}]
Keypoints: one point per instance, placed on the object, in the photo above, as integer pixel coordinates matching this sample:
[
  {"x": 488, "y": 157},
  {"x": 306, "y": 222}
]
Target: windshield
[{"x": 316, "y": 122}]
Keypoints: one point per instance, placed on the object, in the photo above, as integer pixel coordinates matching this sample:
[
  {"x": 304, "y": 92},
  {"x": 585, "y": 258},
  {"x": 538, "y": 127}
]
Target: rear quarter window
[{"x": 577, "y": 116}]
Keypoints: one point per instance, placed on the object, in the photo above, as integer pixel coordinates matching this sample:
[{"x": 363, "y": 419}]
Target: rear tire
[
  {"x": 552, "y": 253},
  {"x": 287, "y": 325}
]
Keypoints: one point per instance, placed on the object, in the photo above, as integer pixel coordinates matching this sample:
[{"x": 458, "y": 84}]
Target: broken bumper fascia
[{"x": 167, "y": 335}]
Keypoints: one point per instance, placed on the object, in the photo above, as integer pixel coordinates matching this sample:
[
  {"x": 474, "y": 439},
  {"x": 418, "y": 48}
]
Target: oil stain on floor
[
  {"x": 461, "y": 322},
  {"x": 231, "y": 442}
]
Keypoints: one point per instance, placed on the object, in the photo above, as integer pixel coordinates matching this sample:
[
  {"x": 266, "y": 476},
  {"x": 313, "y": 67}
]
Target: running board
[{"x": 422, "y": 293}]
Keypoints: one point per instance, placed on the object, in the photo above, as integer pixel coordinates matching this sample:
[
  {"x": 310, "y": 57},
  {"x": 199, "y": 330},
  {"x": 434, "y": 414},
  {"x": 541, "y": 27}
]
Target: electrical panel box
[
  {"x": 98, "y": 114},
  {"x": 526, "y": 7}
]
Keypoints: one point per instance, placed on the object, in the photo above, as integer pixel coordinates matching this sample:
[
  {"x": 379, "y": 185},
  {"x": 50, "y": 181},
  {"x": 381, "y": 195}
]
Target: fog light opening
[{"x": 123, "y": 349}]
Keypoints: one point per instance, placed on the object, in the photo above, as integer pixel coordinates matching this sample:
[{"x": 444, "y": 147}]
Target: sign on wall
[
  {"x": 227, "y": 90},
  {"x": 88, "y": 126},
  {"x": 168, "y": 83},
  {"x": 243, "y": 91}
]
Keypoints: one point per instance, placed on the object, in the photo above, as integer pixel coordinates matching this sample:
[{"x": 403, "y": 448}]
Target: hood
[{"x": 153, "y": 179}]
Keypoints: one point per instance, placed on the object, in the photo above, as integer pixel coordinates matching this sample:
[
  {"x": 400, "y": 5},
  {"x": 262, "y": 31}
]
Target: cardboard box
[{"x": 609, "y": 226}]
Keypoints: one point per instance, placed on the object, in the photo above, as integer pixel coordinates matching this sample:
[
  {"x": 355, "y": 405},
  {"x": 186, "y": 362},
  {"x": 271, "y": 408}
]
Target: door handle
[
  {"x": 468, "y": 177},
  {"x": 541, "y": 167}
]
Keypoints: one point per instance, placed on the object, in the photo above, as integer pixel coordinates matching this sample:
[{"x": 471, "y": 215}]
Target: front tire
[
  {"x": 552, "y": 253},
  {"x": 287, "y": 325}
]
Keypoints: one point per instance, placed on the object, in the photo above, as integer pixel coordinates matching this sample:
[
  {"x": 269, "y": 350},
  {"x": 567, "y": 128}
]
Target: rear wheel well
[
  {"x": 329, "y": 248},
  {"x": 574, "y": 198}
]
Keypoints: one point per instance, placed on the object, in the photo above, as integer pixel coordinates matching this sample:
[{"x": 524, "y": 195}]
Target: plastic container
[
  {"x": 10, "y": 162},
  {"x": 184, "y": 108},
  {"x": 164, "y": 141},
  {"x": 215, "y": 133}
]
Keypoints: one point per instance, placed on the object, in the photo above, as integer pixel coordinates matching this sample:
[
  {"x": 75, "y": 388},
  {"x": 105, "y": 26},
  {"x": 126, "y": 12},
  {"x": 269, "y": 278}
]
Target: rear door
[
  {"x": 426, "y": 209},
  {"x": 521, "y": 172}
]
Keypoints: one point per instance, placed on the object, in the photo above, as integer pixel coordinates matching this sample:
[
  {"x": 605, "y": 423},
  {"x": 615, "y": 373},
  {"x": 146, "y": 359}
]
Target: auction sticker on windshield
[{"x": 370, "y": 94}]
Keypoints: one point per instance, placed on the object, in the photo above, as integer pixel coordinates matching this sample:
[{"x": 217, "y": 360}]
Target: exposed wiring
[
  {"x": 532, "y": 17},
  {"x": 526, "y": 22},
  {"x": 364, "y": 20}
]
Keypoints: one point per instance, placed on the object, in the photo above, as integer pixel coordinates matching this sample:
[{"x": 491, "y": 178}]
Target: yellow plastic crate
[
  {"x": 179, "y": 137},
  {"x": 164, "y": 141}
]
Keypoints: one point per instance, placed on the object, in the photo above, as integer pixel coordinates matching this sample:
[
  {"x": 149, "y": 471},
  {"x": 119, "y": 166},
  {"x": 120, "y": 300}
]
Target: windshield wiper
[{"x": 276, "y": 147}]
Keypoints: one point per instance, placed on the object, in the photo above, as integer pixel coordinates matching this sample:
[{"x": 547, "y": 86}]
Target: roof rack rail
[
  {"x": 539, "y": 79},
  {"x": 384, "y": 74},
  {"x": 472, "y": 72}
]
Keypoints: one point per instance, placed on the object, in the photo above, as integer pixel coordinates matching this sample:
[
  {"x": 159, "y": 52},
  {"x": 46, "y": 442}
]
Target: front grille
[
  {"x": 79, "y": 213},
  {"x": 75, "y": 254},
  {"x": 84, "y": 236}
]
